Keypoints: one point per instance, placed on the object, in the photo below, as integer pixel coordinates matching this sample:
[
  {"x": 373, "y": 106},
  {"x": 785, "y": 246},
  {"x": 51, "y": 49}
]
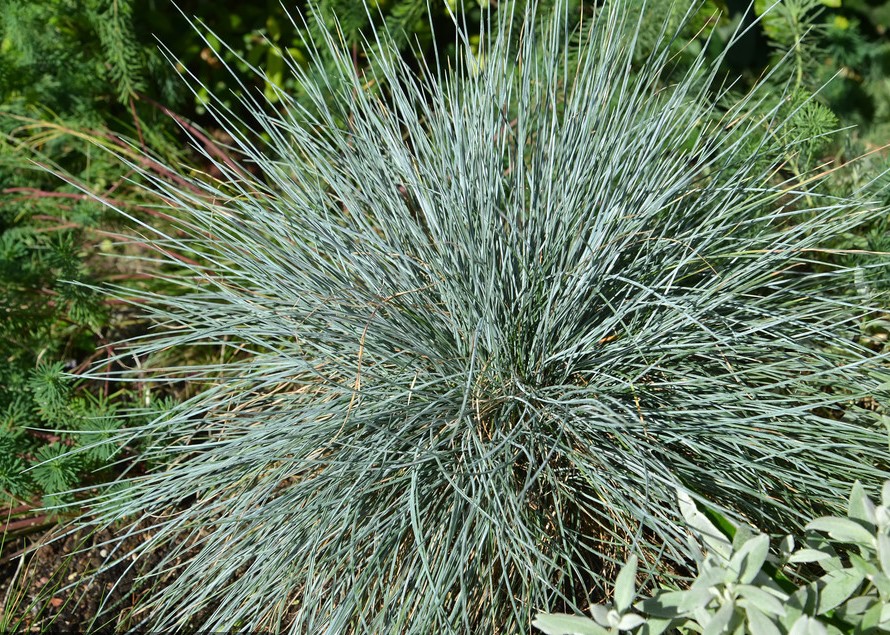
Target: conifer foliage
[{"x": 71, "y": 74}]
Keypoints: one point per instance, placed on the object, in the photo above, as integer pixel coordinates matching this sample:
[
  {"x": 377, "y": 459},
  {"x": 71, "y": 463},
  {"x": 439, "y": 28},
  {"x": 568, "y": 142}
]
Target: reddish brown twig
[
  {"x": 137, "y": 124},
  {"x": 208, "y": 144},
  {"x": 32, "y": 192},
  {"x": 14, "y": 511},
  {"x": 26, "y": 524}
]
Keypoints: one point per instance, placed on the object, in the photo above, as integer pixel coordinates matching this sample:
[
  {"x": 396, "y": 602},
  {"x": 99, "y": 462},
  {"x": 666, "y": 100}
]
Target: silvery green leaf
[
  {"x": 600, "y": 613},
  {"x": 700, "y": 593},
  {"x": 786, "y": 547},
  {"x": 625, "y": 585},
  {"x": 792, "y": 614},
  {"x": 816, "y": 627},
  {"x": 871, "y": 619},
  {"x": 747, "y": 562},
  {"x": 696, "y": 598},
  {"x": 655, "y": 625},
  {"x": 720, "y": 620},
  {"x": 630, "y": 621},
  {"x": 759, "y": 623},
  {"x": 805, "y": 598},
  {"x": 763, "y": 600},
  {"x": 857, "y": 605},
  {"x": 882, "y": 514},
  {"x": 702, "y": 615},
  {"x": 842, "y": 529},
  {"x": 860, "y": 507},
  {"x": 808, "y": 555},
  {"x": 882, "y": 584},
  {"x": 883, "y": 545},
  {"x": 835, "y": 587},
  {"x": 742, "y": 535},
  {"x": 865, "y": 567},
  {"x": 665, "y": 604},
  {"x": 885, "y": 494},
  {"x": 799, "y": 627},
  {"x": 822, "y": 543},
  {"x": 806, "y": 625},
  {"x": 712, "y": 537},
  {"x": 711, "y": 573},
  {"x": 564, "y": 624}
]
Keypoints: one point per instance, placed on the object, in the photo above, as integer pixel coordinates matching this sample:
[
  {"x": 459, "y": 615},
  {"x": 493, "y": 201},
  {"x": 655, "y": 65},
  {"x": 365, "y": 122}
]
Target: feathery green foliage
[
  {"x": 113, "y": 22},
  {"x": 68, "y": 72},
  {"x": 839, "y": 44},
  {"x": 58, "y": 437},
  {"x": 475, "y": 329},
  {"x": 69, "y": 58},
  {"x": 51, "y": 317}
]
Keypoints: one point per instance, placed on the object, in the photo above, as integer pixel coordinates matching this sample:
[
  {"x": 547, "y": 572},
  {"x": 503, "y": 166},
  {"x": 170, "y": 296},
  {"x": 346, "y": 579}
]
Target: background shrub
[{"x": 72, "y": 78}]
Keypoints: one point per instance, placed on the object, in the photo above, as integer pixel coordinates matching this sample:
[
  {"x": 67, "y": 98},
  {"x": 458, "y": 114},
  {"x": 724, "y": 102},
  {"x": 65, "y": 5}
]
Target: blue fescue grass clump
[{"x": 473, "y": 328}]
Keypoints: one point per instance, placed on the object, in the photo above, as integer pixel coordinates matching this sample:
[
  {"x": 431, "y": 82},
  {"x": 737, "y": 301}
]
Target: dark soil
[{"x": 56, "y": 588}]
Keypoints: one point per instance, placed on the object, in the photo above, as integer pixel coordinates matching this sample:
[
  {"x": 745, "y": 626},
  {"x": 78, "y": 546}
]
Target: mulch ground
[{"x": 55, "y": 589}]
